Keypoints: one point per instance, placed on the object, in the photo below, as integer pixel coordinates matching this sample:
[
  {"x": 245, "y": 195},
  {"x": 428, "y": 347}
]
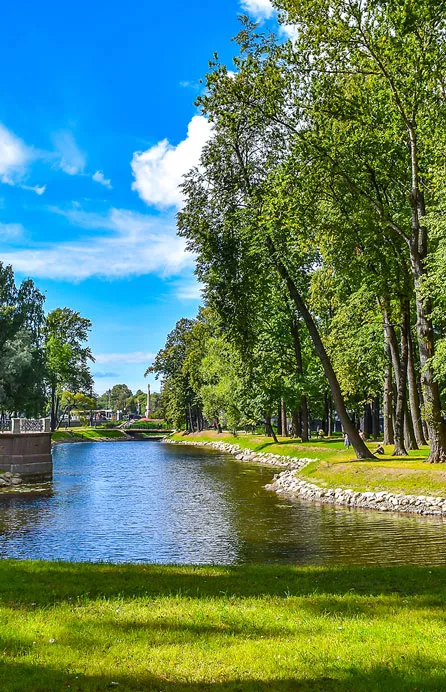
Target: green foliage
[
  {"x": 149, "y": 425},
  {"x": 177, "y": 395},
  {"x": 355, "y": 344},
  {"x": 67, "y": 357},
  {"x": 118, "y": 398},
  {"x": 22, "y": 367}
]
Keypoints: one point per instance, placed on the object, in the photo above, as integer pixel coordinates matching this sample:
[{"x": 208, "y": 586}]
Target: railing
[
  {"x": 5, "y": 425},
  {"x": 28, "y": 425}
]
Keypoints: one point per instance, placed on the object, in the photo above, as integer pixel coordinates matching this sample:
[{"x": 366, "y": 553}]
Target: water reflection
[{"x": 148, "y": 502}]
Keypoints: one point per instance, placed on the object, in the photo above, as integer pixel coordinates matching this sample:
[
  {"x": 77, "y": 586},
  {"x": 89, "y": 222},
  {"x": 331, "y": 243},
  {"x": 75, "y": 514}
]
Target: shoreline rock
[
  {"x": 288, "y": 483},
  {"x": 9, "y": 480},
  {"x": 246, "y": 455}
]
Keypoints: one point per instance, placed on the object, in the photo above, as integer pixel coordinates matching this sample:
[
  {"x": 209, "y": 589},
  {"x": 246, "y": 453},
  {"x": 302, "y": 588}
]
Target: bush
[{"x": 149, "y": 424}]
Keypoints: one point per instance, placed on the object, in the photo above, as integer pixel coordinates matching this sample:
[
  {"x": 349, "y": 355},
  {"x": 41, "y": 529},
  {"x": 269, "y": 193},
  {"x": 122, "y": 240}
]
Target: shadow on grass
[
  {"x": 432, "y": 678},
  {"x": 27, "y": 587},
  {"x": 44, "y": 583}
]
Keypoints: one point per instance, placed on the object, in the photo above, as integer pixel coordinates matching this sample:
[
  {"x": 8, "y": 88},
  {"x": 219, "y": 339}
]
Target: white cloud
[
  {"x": 188, "y": 289},
  {"x": 38, "y": 189},
  {"x": 159, "y": 171},
  {"x": 132, "y": 245},
  {"x": 99, "y": 177},
  {"x": 15, "y": 157},
  {"x": 186, "y": 84},
  {"x": 263, "y": 9},
  {"x": 70, "y": 159},
  {"x": 289, "y": 32},
  {"x": 11, "y": 231},
  {"x": 259, "y": 9},
  {"x": 131, "y": 358}
]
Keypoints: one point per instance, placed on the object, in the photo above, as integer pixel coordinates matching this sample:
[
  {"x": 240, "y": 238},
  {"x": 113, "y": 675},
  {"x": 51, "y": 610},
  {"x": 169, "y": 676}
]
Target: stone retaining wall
[
  {"x": 287, "y": 482},
  {"x": 25, "y": 456}
]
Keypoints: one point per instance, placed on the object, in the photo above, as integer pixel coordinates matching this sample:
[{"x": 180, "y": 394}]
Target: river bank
[
  {"x": 247, "y": 628},
  {"x": 88, "y": 435},
  {"x": 387, "y": 485},
  {"x": 97, "y": 435}
]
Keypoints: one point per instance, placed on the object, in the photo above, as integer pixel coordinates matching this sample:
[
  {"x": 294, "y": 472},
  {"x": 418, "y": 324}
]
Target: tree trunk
[
  {"x": 283, "y": 418},
  {"x": 362, "y": 452},
  {"x": 409, "y": 433},
  {"x": 375, "y": 418},
  {"x": 303, "y": 429},
  {"x": 400, "y": 371},
  {"x": 305, "y": 418},
  {"x": 330, "y": 416},
  {"x": 410, "y": 440},
  {"x": 367, "y": 421},
  {"x": 414, "y": 399},
  {"x": 296, "y": 422},
  {"x": 418, "y": 252},
  {"x": 190, "y": 419},
  {"x": 326, "y": 413}
]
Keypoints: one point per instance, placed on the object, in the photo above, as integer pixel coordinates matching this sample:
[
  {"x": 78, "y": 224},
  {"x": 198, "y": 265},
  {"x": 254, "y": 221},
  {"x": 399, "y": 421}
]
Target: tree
[
  {"x": 67, "y": 357},
  {"x": 118, "y": 398},
  {"x": 21, "y": 347},
  {"x": 225, "y": 221},
  {"x": 179, "y": 399},
  {"x": 374, "y": 95}
]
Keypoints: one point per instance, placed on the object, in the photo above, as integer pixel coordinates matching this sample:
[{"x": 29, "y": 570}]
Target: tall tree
[
  {"x": 374, "y": 83},
  {"x": 226, "y": 224},
  {"x": 22, "y": 367},
  {"x": 67, "y": 357}
]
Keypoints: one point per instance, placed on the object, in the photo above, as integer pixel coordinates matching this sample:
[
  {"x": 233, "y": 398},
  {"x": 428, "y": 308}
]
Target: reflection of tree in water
[
  {"x": 197, "y": 517},
  {"x": 23, "y": 511},
  {"x": 362, "y": 536},
  {"x": 151, "y": 502},
  {"x": 273, "y": 527}
]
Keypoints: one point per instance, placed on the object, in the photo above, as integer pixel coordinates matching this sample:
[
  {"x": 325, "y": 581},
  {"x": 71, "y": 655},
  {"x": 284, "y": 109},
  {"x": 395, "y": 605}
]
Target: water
[{"x": 149, "y": 502}]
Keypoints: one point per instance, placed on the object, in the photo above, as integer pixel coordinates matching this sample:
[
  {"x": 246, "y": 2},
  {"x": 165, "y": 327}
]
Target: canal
[{"x": 152, "y": 502}]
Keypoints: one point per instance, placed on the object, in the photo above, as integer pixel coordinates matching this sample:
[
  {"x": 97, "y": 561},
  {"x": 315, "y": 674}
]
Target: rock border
[
  {"x": 9, "y": 480},
  {"x": 287, "y": 483},
  {"x": 247, "y": 455}
]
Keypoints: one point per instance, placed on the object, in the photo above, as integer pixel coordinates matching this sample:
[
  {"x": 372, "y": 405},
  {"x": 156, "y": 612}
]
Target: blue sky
[{"x": 97, "y": 126}]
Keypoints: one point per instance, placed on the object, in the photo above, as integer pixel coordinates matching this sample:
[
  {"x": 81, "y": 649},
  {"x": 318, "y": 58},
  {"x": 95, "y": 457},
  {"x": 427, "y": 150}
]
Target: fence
[
  {"x": 28, "y": 425},
  {"x": 5, "y": 424}
]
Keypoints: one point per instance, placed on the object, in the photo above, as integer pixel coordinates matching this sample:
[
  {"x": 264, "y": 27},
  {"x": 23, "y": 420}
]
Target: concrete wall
[{"x": 27, "y": 454}]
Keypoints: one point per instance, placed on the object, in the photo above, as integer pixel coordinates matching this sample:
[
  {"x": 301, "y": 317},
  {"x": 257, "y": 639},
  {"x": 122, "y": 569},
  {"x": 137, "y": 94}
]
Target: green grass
[
  {"x": 408, "y": 475},
  {"x": 86, "y": 434},
  {"x": 335, "y": 467},
  {"x": 313, "y": 449},
  {"x": 249, "y": 628},
  {"x": 149, "y": 425}
]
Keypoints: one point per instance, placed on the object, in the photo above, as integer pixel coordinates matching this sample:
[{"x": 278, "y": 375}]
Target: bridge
[{"x": 149, "y": 434}]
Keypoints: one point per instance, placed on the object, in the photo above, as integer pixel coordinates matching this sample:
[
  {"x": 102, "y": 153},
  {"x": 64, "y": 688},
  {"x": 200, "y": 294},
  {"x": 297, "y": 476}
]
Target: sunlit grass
[
  {"x": 80, "y": 434},
  {"x": 84, "y": 627}
]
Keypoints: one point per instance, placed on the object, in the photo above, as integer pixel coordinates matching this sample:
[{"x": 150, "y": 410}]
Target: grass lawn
[
  {"x": 334, "y": 466},
  {"x": 249, "y": 628},
  {"x": 89, "y": 434}
]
